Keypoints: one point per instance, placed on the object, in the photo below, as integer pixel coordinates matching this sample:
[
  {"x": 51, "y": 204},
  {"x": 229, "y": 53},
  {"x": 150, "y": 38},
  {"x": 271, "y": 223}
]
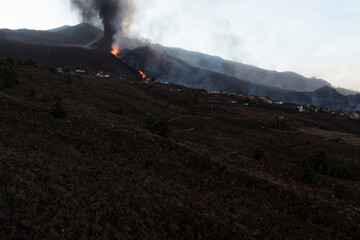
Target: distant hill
[
  {"x": 80, "y": 35},
  {"x": 167, "y": 68},
  {"x": 325, "y": 97},
  {"x": 344, "y": 91},
  {"x": 284, "y": 80},
  {"x": 170, "y": 69},
  {"x": 59, "y": 28}
]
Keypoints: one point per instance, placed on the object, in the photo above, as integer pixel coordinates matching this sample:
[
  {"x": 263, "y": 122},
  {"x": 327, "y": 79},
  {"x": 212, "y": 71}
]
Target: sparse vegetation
[
  {"x": 8, "y": 71},
  {"x": 321, "y": 164},
  {"x": 161, "y": 128}
]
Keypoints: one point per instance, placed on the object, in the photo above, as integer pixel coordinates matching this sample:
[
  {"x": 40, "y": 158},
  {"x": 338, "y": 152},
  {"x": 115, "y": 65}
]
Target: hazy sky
[{"x": 314, "y": 38}]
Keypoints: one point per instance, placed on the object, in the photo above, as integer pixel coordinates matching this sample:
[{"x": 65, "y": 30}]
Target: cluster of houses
[
  {"x": 241, "y": 97},
  {"x": 309, "y": 108},
  {"x": 266, "y": 100},
  {"x": 83, "y": 72}
]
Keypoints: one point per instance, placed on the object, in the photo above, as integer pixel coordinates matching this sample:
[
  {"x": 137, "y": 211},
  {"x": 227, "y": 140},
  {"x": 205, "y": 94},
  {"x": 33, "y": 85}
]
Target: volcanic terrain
[{"x": 86, "y": 157}]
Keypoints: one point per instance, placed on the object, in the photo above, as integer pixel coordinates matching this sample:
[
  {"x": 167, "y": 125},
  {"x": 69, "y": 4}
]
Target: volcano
[{"x": 191, "y": 69}]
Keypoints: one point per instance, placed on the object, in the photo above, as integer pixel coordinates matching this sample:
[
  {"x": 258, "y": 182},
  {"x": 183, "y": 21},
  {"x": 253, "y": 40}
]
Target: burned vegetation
[{"x": 107, "y": 158}]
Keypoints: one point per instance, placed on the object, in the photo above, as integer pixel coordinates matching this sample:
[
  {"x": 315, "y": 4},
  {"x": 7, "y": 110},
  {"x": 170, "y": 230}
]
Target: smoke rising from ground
[{"x": 115, "y": 15}]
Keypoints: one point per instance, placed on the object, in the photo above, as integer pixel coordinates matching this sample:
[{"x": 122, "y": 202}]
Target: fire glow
[{"x": 115, "y": 51}]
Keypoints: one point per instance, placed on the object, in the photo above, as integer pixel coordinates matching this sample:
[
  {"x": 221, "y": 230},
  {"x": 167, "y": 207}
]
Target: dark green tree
[
  {"x": 150, "y": 123},
  {"x": 259, "y": 153},
  {"x": 33, "y": 93},
  {"x": 121, "y": 109},
  {"x": 51, "y": 69},
  {"x": 191, "y": 108},
  {"x": 320, "y": 161},
  {"x": 308, "y": 175},
  {"x": 163, "y": 128},
  {"x": 58, "y": 110},
  {"x": 206, "y": 162},
  {"x": 8, "y": 77}
]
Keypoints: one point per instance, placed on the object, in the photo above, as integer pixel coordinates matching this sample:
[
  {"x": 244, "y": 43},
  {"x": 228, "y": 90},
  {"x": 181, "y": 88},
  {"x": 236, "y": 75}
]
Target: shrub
[
  {"x": 58, "y": 110},
  {"x": 320, "y": 161},
  {"x": 150, "y": 123},
  {"x": 68, "y": 80},
  {"x": 51, "y": 69},
  {"x": 345, "y": 172},
  {"x": 308, "y": 175},
  {"x": 195, "y": 100},
  {"x": 191, "y": 108},
  {"x": 45, "y": 96},
  {"x": 242, "y": 163},
  {"x": 258, "y": 154},
  {"x": 31, "y": 63},
  {"x": 206, "y": 162},
  {"x": 322, "y": 165},
  {"x": 33, "y": 93},
  {"x": 121, "y": 109},
  {"x": 163, "y": 127},
  {"x": 8, "y": 77}
]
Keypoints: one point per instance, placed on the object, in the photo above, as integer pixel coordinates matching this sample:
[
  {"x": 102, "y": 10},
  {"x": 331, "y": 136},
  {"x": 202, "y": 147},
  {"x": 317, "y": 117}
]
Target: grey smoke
[{"x": 116, "y": 15}]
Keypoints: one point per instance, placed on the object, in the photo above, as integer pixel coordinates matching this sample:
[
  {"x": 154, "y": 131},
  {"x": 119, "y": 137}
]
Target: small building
[{"x": 301, "y": 109}]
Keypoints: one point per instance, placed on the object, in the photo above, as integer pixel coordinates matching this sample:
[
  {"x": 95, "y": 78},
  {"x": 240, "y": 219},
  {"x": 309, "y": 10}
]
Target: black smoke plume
[{"x": 116, "y": 15}]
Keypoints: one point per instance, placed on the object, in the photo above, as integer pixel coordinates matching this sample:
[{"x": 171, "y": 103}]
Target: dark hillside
[
  {"x": 167, "y": 68},
  {"x": 78, "y": 163},
  {"x": 79, "y": 35},
  {"x": 73, "y": 57}
]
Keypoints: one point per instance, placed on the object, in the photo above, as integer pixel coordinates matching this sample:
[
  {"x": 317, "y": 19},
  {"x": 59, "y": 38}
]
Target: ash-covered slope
[
  {"x": 169, "y": 69},
  {"x": 80, "y": 35},
  {"x": 284, "y": 80}
]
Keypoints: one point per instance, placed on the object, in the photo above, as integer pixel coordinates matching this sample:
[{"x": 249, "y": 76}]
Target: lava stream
[{"x": 115, "y": 51}]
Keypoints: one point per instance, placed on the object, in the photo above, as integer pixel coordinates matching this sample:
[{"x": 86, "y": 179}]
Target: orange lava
[
  {"x": 115, "y": 51},
  {"x": 143, "y": 75}
]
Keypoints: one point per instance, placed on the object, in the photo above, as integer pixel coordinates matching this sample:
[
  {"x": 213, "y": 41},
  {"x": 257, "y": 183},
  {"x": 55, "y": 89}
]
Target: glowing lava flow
[{"x": 115, "y": 51}]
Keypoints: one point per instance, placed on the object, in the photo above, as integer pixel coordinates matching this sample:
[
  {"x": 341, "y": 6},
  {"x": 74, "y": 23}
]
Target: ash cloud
[{"x": 116, "y": 15}]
